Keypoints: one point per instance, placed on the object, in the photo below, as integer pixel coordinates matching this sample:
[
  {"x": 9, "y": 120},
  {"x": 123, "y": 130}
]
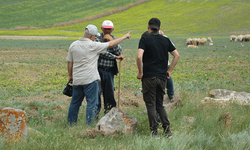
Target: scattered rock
[
  {"x": 221, "y": 95},
  {"x": 225, "y": 119},
  {"x": 13, "y": 124},
  {"x": 117, "y": 120}
]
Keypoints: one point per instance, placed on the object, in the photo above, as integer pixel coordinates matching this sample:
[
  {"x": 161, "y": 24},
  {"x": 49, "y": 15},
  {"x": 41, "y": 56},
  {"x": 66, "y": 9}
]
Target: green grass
[
  {"x": 40, "y": 13},
  {"x": 33, "y": 74},
  {"x": 203, "y": 18}
]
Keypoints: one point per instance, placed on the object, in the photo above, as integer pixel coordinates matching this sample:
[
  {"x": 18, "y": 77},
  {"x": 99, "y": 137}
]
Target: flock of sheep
[
  {"x": 195, "y": 42},
  {"x": 240, "y": 38}
]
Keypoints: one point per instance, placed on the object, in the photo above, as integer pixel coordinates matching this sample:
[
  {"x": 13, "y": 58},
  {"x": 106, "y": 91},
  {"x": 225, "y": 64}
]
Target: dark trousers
[
  {"x": 107, "y": 89},
  {"x": 153, "y": 90}
]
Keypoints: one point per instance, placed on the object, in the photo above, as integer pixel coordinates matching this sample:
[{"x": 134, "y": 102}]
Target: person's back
[
  {"x": 156, "y": 48},
  {"x": 153, "y": 54}
]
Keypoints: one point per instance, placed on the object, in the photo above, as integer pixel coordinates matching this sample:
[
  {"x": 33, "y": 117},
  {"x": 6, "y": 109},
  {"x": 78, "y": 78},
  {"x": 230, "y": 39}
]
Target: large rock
[
  {"x": 13, "y": 124},
  {"x": 221, "y": 95},
  {"x": 117, "y": 120}
]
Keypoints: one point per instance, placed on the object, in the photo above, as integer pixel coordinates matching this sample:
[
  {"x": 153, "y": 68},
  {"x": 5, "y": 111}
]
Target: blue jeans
[
  {"x": 170, "y": 86},
  {"x": 107, "y": 89},
  {"x": 79, "y": 92}
]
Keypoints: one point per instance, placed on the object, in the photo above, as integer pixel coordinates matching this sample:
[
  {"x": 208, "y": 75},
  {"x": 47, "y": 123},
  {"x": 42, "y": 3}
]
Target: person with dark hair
[
  {"x": 153, "y": 54},
  {"x": 170, "y": 83},
  {"x": 83, "y": 74}
]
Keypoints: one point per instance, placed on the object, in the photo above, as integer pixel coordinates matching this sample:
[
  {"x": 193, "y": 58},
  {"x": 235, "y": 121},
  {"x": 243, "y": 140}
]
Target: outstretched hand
[{"x": 127, "y": 36}]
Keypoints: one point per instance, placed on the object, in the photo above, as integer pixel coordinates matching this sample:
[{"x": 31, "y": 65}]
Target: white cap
[
  {"x": 92, "y": 29},
  {"x": 107, "y": 24}
]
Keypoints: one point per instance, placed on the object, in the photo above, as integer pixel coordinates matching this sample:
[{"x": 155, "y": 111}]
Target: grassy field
[
  {"x": 42, "y": 13},
  {"x": 33, "y": 74},
  {"x": 197, "y": 17}
]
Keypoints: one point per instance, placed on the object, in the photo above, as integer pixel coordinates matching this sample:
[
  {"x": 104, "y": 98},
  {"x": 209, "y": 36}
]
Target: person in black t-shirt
[
  {"x": 170, "y": 84},
  {"x": 153, "y": 54}
]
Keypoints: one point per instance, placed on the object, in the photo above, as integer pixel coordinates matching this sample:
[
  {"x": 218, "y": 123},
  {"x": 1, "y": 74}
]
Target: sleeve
[
  {"x": 69, "y": 57},
  {"x": 142, "y": 44},
  {"x": 111, "y": 53},
  {"x": 108, "y": 55},
  {"x": 171, "y": 46},
  {"x": 101, "y": 47}
]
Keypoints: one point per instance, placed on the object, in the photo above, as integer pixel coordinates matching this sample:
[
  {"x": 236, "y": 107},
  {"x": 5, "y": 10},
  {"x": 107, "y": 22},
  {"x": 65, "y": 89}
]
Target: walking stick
[{"x": 119, "y": 90}]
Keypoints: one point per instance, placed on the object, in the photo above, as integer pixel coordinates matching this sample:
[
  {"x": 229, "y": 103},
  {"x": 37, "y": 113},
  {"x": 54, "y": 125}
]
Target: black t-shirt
[{"x": 155, "y": 56}]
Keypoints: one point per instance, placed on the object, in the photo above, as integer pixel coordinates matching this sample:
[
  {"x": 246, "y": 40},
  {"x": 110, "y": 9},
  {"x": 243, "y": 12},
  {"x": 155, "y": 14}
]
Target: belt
[{"x": 105, "y": 69}]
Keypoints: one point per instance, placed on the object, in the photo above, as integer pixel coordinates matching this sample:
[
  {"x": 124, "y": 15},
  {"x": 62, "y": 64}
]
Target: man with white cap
[
  {"x": 107, "y": 67},
  {"x": 83, "y": 74}
]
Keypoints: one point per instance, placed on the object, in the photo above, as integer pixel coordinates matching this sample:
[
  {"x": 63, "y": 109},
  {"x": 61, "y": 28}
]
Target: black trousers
[{"x": 153, "y": 90}]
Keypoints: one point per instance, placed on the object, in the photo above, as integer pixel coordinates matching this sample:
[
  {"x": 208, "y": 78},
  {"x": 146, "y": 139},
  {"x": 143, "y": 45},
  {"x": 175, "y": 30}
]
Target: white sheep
[
  {"x": 210, "y": 40},
  {"x": 192, "y": 46},
  {"x": 239, "y": 38},
  {"x": 233, "y": 38}
]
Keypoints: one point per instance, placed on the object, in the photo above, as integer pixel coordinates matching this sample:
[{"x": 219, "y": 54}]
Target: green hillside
[
  {"x": 197, "y": 17},
  {"x": 39, "y": 13}
]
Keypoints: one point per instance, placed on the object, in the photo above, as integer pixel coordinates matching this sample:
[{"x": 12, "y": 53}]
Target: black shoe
[
  {"x": 167, "y": 133},
  {"x": 155, "y": 134}
]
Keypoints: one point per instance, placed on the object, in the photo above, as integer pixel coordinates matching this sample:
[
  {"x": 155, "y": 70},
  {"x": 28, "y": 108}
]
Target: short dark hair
[{"x": 154, "y": 23}]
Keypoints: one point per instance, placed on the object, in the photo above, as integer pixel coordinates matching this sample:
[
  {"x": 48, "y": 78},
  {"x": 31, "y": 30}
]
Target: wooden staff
[{"x": 119, "y": 90}]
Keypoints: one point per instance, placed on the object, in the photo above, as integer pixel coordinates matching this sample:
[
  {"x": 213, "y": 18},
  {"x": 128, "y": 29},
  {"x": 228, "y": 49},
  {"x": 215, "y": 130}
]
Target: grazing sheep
[
  {"x": 196, "y": 41},
  {"x": 211, "y": 44},
  {"x": 233, "y": 38},
  {"x": 190, "y": 41},
  {"x": 246, "y": 38},
  {"x": 192, "y": 46},
  {"x": 202, "y": 41},
  {"x": 209, "y": 39},
  {"x": 239, "y": 38}
]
